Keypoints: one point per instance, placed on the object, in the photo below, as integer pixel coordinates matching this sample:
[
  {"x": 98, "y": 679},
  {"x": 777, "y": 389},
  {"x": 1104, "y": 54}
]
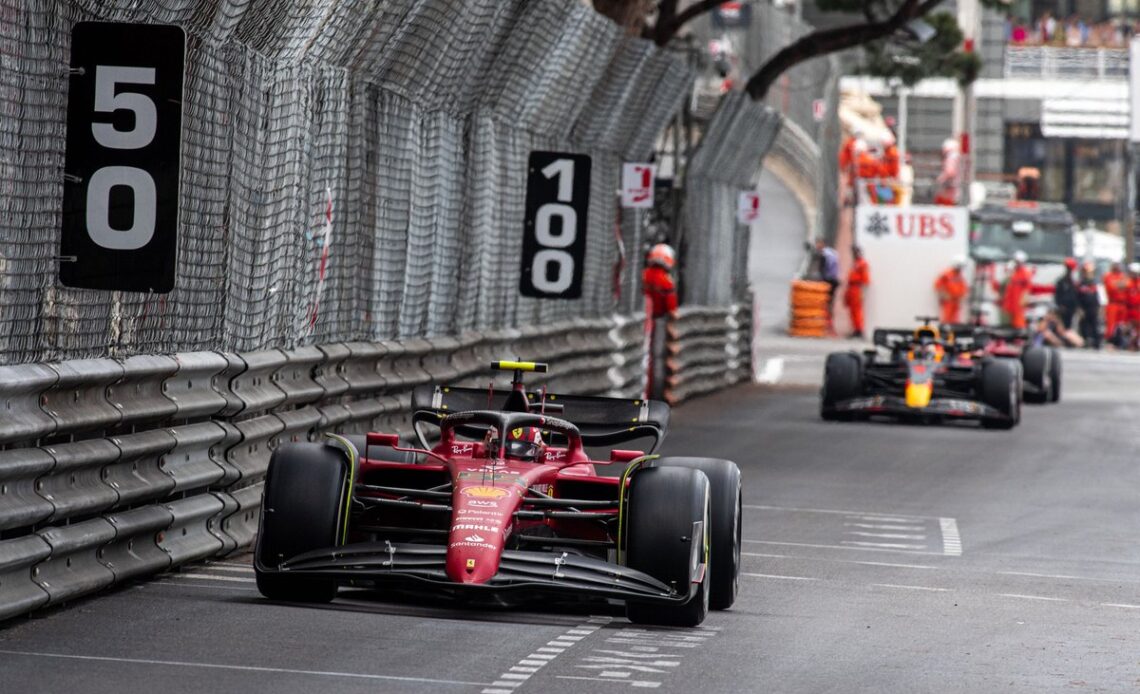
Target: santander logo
[{"x": 474, "y": 538}]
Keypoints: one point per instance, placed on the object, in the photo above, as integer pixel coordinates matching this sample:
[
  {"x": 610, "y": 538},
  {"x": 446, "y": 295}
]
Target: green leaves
[{"x": 911, "y": 61}]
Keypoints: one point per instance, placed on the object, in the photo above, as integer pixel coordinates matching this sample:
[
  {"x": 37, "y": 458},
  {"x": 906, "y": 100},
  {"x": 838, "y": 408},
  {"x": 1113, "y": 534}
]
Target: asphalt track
[{"x": 879, "y": 558}]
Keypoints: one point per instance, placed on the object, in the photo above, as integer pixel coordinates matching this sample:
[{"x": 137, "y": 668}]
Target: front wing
[
  {"x": 893, "y": 405},
  {"x": 423, "y": 566}
]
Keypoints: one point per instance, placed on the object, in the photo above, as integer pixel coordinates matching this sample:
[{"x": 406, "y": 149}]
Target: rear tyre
[
  {"x": 1035, "y": 362},
  {"x": 305, "y": 490},
  {"x": 1001, "y": 390},
  {"x": 664, "y": 505},
  {"x": 725, "y": 531},
  {"x": 842, "y": 380},
  {"x": 1055, "y": 373}
]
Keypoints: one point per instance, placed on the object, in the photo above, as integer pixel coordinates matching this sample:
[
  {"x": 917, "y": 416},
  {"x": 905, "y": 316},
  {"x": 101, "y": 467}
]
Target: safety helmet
[
  {"x": 959, "y": 261},
  {"x": 1019, "y": 257},
  {"x": 1134, "y": 268},
  {"x": 522, "y": 443},
  {"x": 1071, "y": 263},
  {"x": 949, "y": 145},
  {"x": 663, "y": 255}
]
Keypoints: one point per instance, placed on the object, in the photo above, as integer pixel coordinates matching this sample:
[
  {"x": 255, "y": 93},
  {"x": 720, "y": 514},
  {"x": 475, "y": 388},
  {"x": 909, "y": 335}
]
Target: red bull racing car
[
  {"x": 507, "y": 506},
  {"x": 917, "y": 375}
]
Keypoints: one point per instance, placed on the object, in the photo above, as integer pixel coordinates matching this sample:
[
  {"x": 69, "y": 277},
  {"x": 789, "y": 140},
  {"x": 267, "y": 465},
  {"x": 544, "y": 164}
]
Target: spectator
[
  {"x": 1065, "y": 294},
  {"x": 657, "y": 280},
  {"x": 948, "y": 180},
  {"x": 1051, "y": 331},
  {"x": 1088, "y": 298}
]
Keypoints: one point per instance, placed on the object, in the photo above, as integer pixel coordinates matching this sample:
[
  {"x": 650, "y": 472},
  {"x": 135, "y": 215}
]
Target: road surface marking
[
  {"x": 1032, "y": 597},
  {"x": 229, "y": 567},
  {"x": 879, "y": 526},
  {"x": 862, "y": 549},
  {"x": 772, "y": 372},
  {"x": 638, "y": 655},
  {"x": 951, "y": 540},
  {"x": 888, "y": 536},
  {"x": 864, "y": 515},
  {"x": 839, "y": 561},
  {"x": 786, "y": 578},
  {"x": 1061, "y": 576},
  {"x": 530, "y": 664},
  {"x": 245, "y": 668},
  {"x": 896, "y": 585},
  {"x": 883, "y": 545},
  {"x": 632, "y": 683},
  {"x": 198, "y": 586},
  {"x": 1121, "y": 604},
  {"x": 211, "y": 577}
]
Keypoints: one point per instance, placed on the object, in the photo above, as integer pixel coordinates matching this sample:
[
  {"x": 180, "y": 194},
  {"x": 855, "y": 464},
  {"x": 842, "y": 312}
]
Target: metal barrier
[
  {"x": 707, "y": 349},
  {"x": 118, "y": 469}
]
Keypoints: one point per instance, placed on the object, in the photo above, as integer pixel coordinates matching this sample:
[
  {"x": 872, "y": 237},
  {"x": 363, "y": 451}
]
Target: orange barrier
[{"x": 809, "y": 314}]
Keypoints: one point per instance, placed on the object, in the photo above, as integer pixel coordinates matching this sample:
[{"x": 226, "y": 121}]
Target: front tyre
[
  {"x": 1036, "y": 364},
  {"x": 302, "y": 510},
  {"x": 667, "y": 506},
  {"x": 725, "y": 531},
  {"x": 842, "y": 380},
  {"x": 1000, "y": 388}
]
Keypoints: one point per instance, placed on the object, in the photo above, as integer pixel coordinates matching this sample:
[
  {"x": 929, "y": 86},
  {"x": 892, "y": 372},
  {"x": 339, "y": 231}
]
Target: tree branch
[
  {"x": 828, "y": 41},
  {"x": 667, "y": 28}
]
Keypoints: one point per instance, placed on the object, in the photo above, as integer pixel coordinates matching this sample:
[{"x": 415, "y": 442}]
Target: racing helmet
[
  {"x": 522, "y": 443},
  {"x": 662, "y": 255}
]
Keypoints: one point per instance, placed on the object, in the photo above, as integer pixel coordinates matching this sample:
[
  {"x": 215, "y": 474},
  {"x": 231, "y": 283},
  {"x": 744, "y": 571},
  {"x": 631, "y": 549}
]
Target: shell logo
[{"x": 484, "y": 492}]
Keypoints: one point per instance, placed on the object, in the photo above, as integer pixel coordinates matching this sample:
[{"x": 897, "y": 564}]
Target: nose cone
[{"x": 918, "y": 394}]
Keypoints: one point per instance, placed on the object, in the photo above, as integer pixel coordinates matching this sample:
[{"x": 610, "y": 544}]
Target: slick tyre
[
  {"x": 1055, "y": 366},
  {"x": 1001, "y": 390},
  {"x": 842, "y": 380},
  {"x": 1035, "y": 363},
  {"x": 725, "y": 531},
  {"x": 305, "y": 490},
  {"x": 666, "y": 505}
]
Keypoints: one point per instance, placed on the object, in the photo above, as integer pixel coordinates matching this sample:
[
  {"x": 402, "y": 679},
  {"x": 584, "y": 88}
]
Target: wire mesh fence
[{"x": 395, "y": 134}]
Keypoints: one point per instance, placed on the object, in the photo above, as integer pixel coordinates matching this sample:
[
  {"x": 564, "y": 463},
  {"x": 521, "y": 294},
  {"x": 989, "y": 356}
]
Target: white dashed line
[
  {"x": 1120, "y": 604},
  {"x": 786, "y": 578},
  {"x": 886, "y": 536},
  {"x": 862, "y": 515},
  {"x": 880, "y": 526},
  {"x": 876, "y": 548},
  {"x": 883, "y": 545},
  {"x": 838, "y": 561},
  {"x": 1032, "y": 597},
  {"x": 531, "y": 664},
  {"x": 211, "y": 577},
  {"x": 951, "y": 540},
  {"x": 895, "y": 585}
]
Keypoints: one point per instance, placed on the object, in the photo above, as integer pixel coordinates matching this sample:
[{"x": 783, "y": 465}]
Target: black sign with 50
[
  {"x": 124, "y": 133},
  {"x": 554, "y": 235}
]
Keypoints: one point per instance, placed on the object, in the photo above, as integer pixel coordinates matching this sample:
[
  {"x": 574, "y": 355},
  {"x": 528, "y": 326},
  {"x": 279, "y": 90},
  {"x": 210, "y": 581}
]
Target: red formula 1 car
[
  {"x": 506, "y": 506},
  {"x": 1040, "y": 364}
]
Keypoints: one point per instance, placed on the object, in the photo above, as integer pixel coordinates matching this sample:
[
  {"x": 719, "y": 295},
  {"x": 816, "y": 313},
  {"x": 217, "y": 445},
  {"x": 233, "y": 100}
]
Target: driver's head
[{"x": 522, "y": 443}]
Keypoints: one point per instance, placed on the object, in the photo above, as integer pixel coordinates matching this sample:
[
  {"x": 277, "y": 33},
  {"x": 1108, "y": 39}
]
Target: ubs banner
[
  {"x": 907, "y": 247},
  {"x": 124, "y": 132}
]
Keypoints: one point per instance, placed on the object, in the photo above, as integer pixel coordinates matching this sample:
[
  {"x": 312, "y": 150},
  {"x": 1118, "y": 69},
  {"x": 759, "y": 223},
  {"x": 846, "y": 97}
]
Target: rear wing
[{"x": 601, "y": 421}]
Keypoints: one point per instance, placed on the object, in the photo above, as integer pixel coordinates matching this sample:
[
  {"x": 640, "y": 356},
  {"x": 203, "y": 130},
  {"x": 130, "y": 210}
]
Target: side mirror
[
  {"x": 620, "y": 456},
  {"x": 390, "y": 440}
]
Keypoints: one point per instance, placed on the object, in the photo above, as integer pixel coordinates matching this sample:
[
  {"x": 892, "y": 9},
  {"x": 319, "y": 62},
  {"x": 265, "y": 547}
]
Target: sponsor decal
[
  {"x": 480, "y": 545},
  {"x": 475, "y": 538},
  {"x": 517, "y": 433},
  {"x": 554, "y": 455},
  {"x": 475, "y": 526},
  {"x": 488, "y": 475},
  {"x": 462, "y": 448},
  {"x": 484, "y": 492},
  {"x": 486, "y": 504}
]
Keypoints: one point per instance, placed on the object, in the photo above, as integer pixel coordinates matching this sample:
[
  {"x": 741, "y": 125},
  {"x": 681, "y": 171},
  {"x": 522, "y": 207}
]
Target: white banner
[
  {"x": 907, "y": 248},
  {"x": 748, "y": 207},
  {"x": 637, "y": 185}
]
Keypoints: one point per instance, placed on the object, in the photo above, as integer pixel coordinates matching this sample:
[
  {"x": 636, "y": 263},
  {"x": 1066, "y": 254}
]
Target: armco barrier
[
  {"x": 117, "y": 469},
  {"x": 707, "y": 349}
]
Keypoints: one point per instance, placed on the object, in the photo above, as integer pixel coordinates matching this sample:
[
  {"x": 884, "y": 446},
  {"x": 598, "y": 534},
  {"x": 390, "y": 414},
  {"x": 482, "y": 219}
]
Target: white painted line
[
  {"x": 786, "y": 578},
  {"x": 633, "y": 683},
  {"x": 530, "y": 664},
  {"x": 230, "y": 567},
  {"x": 839, "y": 561},
  {"x": 880, "y": 526},
  {"x": 863, "y": 549},
  {"x": 245, "y": 668},
  {"x": 230, "y": 563},
  {"x": 866, "y": 515},
  {"x": 1062, "y": 577},
  {"x": 1121, "y": 604},
  {"x": 211, "y": 577},
  {"x": 883, "y": 545},
  {"x": 895, "y": 585},
  {"x": 610, "y": 673},
  {"x": 951, "y": 540},
  {"x": 887, "y": 536},
  {"x": 491, "y": 690},
  {"x": 1032, "y": 597},
  {"x": 884, "y": 519},
  {"x": 197, "y": 586},
  {"x": 772, "y": 372}
]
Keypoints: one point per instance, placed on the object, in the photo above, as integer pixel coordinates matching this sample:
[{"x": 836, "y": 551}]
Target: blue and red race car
[{"x": 507, "y": 505}]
